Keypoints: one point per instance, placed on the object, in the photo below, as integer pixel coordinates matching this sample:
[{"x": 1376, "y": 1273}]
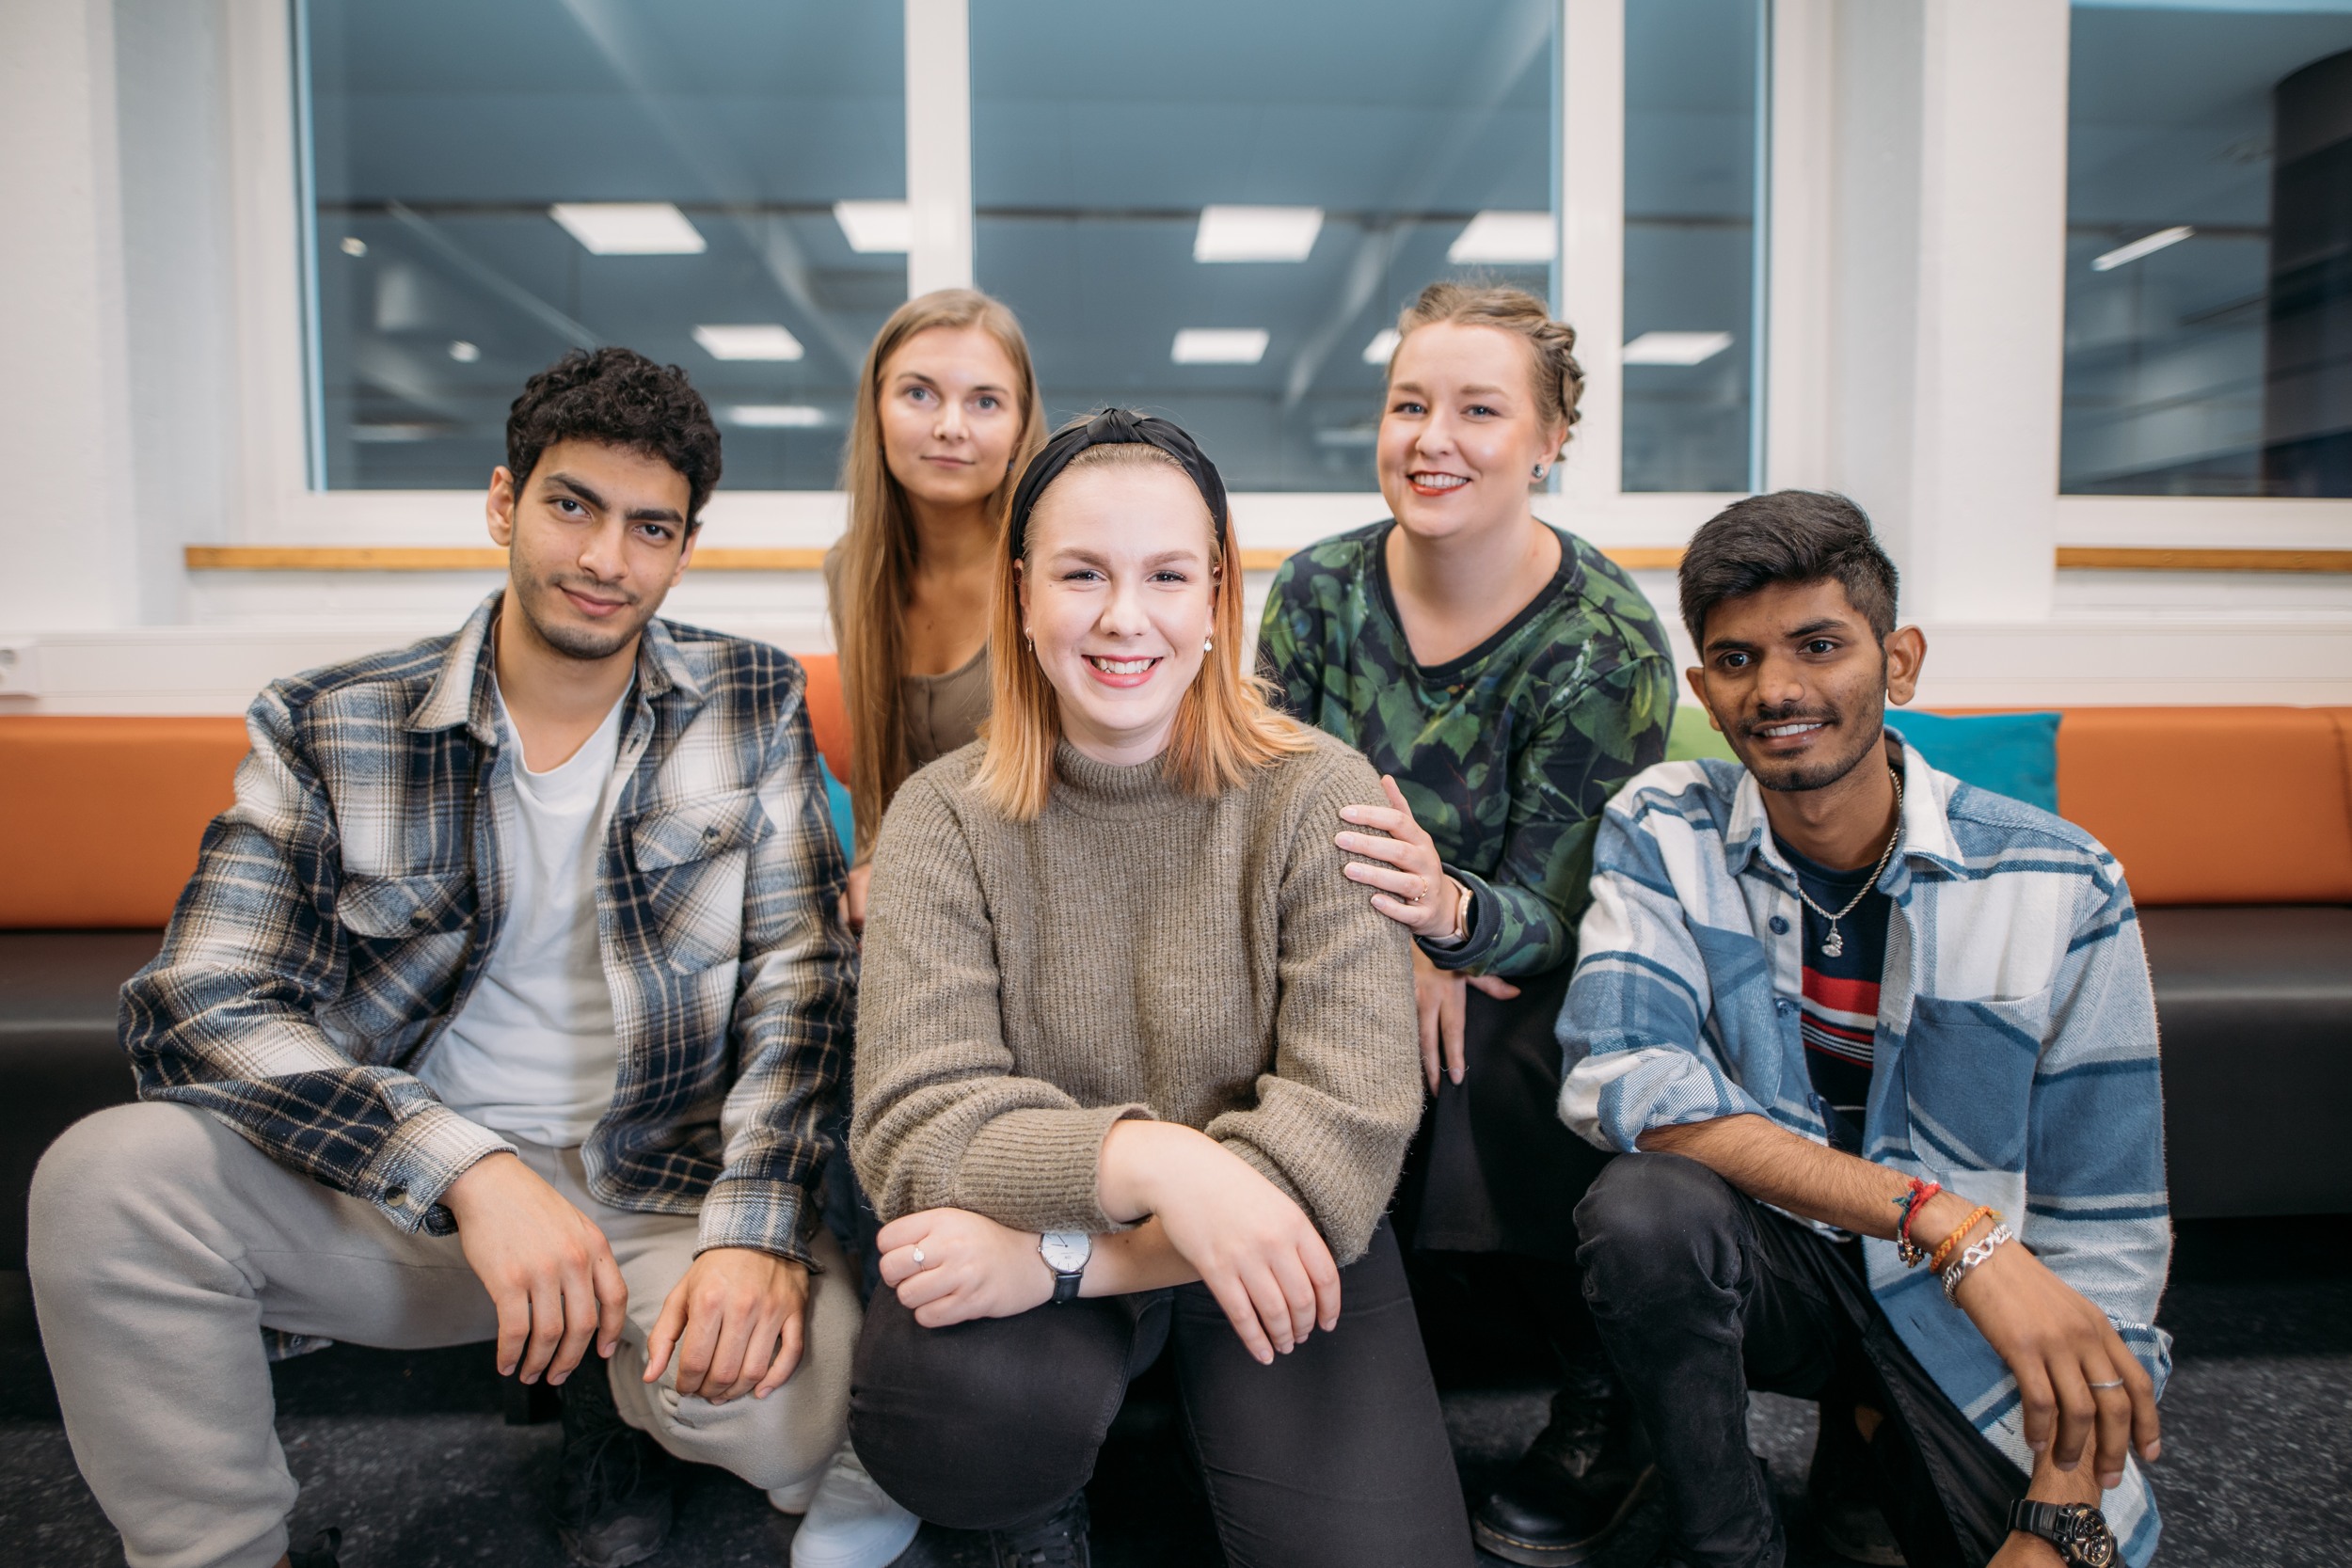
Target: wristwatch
[
  {"x": 2078, "y": 1531},
  {"x": 1066, "y": 1253}
]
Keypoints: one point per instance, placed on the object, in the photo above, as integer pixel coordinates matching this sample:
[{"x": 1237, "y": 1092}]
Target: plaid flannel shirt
[
  {"x": 2016, "y": 1048},
  {"x": 344, "y": 908}
]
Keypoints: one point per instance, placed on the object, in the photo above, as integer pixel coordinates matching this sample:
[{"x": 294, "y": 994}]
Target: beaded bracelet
[
  {"x": 1971, "y": 1258},
  {"x": 1951, "y": 1242},
  {"x": 1914, "y": 1197}
]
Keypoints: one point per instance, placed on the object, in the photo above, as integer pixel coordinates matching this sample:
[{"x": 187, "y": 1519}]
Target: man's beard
[
  {"x": 586, "y": 643},
  {"x": 1796, "y": 779}
]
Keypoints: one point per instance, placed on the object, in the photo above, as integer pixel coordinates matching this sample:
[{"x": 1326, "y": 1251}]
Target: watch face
[
  {"x": 2090, "y": 1542},
  {"x": 1065, "y": 1251}
]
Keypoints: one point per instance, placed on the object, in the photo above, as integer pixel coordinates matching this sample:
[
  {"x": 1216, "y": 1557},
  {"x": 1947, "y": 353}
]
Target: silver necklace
[{"x": 1835, "y": 943}]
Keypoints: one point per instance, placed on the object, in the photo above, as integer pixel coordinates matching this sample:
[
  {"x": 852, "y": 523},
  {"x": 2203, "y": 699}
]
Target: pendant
[{"x": 1834, "y": 943}]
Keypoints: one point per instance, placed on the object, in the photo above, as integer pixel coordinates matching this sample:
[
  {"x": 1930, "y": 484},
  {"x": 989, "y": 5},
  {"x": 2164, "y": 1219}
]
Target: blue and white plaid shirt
[
  {"x": 344, "y": 908},
  {"x": 2015, "y": 1055}
]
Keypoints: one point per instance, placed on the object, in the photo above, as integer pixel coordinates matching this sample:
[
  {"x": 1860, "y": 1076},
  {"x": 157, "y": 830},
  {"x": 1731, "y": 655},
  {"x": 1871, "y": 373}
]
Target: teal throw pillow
[
  {"x": 2009, "y": 753},
  {"x": 844, "y": 818}
]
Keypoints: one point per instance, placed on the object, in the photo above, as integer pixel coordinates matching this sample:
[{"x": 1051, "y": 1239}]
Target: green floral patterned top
[{"x": 1506, "y": 755}]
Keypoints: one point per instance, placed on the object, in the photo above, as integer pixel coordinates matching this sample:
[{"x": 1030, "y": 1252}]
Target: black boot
[
  {"x": 1577, "y": 1484},
  {"x": 1060, "y": 1542},
  {"x": 321, "y": 1552},
  {"x": 1845, "y": 1507},
  {"x": 611, "y": 1502}
]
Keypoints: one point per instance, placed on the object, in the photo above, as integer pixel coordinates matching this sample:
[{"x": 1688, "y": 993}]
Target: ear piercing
[
  {"x": 1539, "y": 470},
  {"x": 1208, "y": 644}
]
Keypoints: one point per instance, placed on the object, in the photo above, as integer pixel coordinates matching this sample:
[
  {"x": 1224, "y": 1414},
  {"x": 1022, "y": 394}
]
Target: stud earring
[
  {"x": 1208, "y": 644},
  {"x": 1539, "y": 470}
]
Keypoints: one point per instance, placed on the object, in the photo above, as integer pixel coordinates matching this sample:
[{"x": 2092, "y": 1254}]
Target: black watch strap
[
  {"x": 2033, "y": 1518},
  {"x": 1066, "y": 1286},
  {"x": 2078, "y": 1531}
]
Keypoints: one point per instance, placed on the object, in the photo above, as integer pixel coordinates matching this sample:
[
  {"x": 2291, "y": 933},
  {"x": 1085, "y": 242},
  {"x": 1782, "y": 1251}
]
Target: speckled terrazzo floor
[{"x": 409, "y": 1456}]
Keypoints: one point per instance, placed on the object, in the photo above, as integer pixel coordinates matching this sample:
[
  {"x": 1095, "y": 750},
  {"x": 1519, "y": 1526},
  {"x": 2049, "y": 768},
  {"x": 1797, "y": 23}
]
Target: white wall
[{"x": 150, "y": 318}]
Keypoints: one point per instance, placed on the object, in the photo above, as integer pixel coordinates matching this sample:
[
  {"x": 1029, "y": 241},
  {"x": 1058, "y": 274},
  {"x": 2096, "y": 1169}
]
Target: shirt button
[
  {"x": 418, "y": 920},
  {"x": 1780, "y": 1004},
  {"x": 1779, "y": 925},
  {"x": 397, "y": 1198}
]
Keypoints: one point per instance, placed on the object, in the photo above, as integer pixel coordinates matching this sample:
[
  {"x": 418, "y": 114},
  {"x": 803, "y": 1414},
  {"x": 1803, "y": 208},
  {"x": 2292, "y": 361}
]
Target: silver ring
[
  {"x": 2116, "y": 1384},
  {"x": 918, "y": 1258}
]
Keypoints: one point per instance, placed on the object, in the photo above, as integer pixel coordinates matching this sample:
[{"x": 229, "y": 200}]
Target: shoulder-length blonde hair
[
  {"x": 1225, "y": 730},
  {"x": 878, "y": 553}
]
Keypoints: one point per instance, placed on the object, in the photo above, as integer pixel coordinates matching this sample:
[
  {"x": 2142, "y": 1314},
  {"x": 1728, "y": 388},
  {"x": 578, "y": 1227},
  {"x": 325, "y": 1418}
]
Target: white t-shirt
[{"x": 532, "y": 1054}]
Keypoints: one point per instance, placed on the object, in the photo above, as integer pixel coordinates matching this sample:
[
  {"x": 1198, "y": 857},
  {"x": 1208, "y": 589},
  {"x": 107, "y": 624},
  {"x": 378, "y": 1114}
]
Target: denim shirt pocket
[
  {"x": 691, "y": 861},
  {"x": 1968, "y": 1069}
]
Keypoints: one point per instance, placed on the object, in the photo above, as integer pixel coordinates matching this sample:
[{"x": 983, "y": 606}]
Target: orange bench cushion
[
  {"x": 2216, "y": 805},
  {"x": 827, "y": 714},
  {"x": 102, "y": 817}
]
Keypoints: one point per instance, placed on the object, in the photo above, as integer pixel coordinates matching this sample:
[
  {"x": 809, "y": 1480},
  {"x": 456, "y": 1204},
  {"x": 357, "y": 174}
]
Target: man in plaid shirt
[{"x": 508, "y": 1001}]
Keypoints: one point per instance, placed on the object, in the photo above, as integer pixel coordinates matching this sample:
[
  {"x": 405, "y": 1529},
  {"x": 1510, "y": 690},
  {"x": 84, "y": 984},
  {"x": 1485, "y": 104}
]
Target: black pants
[
  {"x": 1335, "y": 1454},
  {"x": 1700, "y": 1294}
]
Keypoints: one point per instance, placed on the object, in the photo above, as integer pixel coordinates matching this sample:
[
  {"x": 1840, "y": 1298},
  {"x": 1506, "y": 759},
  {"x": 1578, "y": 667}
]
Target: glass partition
[
  {"x": 490, "y": 184},
  {"x": 1692, "y": 178},
  {"x": 2209, "y": 250},
  {"x": 1215, "y": 211}
]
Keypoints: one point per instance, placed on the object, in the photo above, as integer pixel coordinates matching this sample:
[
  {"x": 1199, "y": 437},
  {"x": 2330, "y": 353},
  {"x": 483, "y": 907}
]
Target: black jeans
[
  {"x": 1335, "y": 1454},
  {"x": 1701, "y": 1293}
]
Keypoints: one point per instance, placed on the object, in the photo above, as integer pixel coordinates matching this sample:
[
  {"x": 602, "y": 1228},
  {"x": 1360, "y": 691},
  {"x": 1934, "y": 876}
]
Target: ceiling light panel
[
  {"x": 1499, "y": 238},
  {"x": 1382, "y": 345},
  {"x": 1675, "y": 348},
  {"x": 777, "y": 416},
  {"x": 629, "y": 227},
  {"x": 1218, "y": 345},
  {"x": 876, "y": 227},
  {"x": 1256, "y": 233},
  {"x": 2146, "y": 245},
  {"x": 763, "y": 340}
]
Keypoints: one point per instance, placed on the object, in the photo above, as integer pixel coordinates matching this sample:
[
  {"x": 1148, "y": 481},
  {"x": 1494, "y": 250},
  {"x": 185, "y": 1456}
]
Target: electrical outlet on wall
[{"x": 19, "y": 667}]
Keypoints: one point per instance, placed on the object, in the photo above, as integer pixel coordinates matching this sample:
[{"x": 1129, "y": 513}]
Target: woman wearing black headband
[
  {"x": 1509, "y": 678},
  {"x": 1135, "y": 1065}
]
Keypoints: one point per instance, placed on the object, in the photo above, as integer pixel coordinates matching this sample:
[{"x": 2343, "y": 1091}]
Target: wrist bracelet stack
[
  {"x": 1951, "y": 1242},
  {"x": 1971, "y": 1258},
  {"x": 1914, "y": 1198}
]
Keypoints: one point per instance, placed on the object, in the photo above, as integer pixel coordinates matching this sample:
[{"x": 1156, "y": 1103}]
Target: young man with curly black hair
[{"x": 507, "y": 1002}]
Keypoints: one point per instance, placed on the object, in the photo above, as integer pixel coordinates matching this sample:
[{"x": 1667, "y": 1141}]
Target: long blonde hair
[
  {"x": 1226, "y": 727},
  {"x": 878, "y": 553}
]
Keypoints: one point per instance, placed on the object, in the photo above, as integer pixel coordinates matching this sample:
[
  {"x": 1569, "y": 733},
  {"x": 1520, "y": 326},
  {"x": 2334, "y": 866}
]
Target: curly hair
[
  {"x": 1559, "y": 380},
  {"x": 620, "y": 398}
]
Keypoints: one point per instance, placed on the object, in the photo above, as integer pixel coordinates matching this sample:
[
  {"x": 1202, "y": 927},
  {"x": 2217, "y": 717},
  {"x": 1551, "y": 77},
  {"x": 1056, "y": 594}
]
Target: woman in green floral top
[{"x": 1507, "y": 679}]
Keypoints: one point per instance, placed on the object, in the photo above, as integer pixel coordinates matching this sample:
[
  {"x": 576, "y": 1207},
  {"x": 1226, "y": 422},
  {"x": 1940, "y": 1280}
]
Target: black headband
[{"x": 1113, "y": 427}]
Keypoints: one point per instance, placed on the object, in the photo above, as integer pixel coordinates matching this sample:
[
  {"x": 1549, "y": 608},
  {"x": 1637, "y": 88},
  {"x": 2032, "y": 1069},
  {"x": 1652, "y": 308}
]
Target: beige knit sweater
[{"x": 1133, "y": 952}]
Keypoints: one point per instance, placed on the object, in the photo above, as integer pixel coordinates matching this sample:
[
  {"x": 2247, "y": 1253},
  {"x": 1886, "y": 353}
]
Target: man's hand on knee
[
  {"x": 735, "y": 1322},
  {"x": 547, "y": 1268}
]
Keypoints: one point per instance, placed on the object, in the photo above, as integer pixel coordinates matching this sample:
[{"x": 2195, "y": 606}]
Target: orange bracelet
[{"x": 1935, "y": 1264}]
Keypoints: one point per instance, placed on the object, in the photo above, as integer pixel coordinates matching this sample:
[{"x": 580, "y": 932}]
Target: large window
[
  {"x": 2209, "y": 250},
  {"x": 490, "y": 184},
  {"x": 1693, "y": 183},
  {"x": 1216, "y": 210}
]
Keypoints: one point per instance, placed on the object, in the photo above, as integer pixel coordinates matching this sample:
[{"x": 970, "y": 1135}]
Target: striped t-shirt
[{"x": 1840, "y": 999}]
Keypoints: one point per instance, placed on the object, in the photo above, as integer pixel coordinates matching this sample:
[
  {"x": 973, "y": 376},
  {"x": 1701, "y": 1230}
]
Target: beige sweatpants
[{"x": 163, "y": 1243}]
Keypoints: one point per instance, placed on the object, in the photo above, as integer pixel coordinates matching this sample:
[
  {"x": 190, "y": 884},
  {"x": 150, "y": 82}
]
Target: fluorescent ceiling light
[
  {"x": 1256, "y": 233},
  {"x": 2146, "y": 245},
  {"x": 876, "y": 226},
  {"x": 1383, "y": 344},
  {"x": 1675, "y": 348},
  {"x": 629, "y": 227},
  {"x": 1504, "y": 238},
  {"x": 777, "y": 416},
  {"x": 464, "y": 351},
  {"x": 766, "y": 340},
  {"x": 1218, "y": 345}
]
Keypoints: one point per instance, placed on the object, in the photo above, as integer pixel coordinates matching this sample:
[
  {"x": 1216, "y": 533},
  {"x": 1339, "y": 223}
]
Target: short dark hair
[
  {"x": 1788, "y": 536},
  {"x": 618, "y": 397}
]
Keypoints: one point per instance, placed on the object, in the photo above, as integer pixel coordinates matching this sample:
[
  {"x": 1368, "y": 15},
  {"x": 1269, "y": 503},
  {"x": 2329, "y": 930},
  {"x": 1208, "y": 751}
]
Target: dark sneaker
[
  {"x": 1060, "y": 1542},
  {"x": 1577, "y": 1484},
  {"x": 321, "y": 1552},
  {"x": 611, "y": 1502},
  {"x": 1838, "y": 1487}
]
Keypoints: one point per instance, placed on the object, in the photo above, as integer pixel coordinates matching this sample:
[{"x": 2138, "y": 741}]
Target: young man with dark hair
[
  {"x": 508, "y": 1001},
  {"x": 1848, "y": 1014}
]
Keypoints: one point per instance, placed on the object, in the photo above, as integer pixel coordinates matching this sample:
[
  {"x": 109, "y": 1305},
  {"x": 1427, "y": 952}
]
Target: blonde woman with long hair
[
  {"x": 948, "y": 411},
  {"x": 1137, "y": 1066}
]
